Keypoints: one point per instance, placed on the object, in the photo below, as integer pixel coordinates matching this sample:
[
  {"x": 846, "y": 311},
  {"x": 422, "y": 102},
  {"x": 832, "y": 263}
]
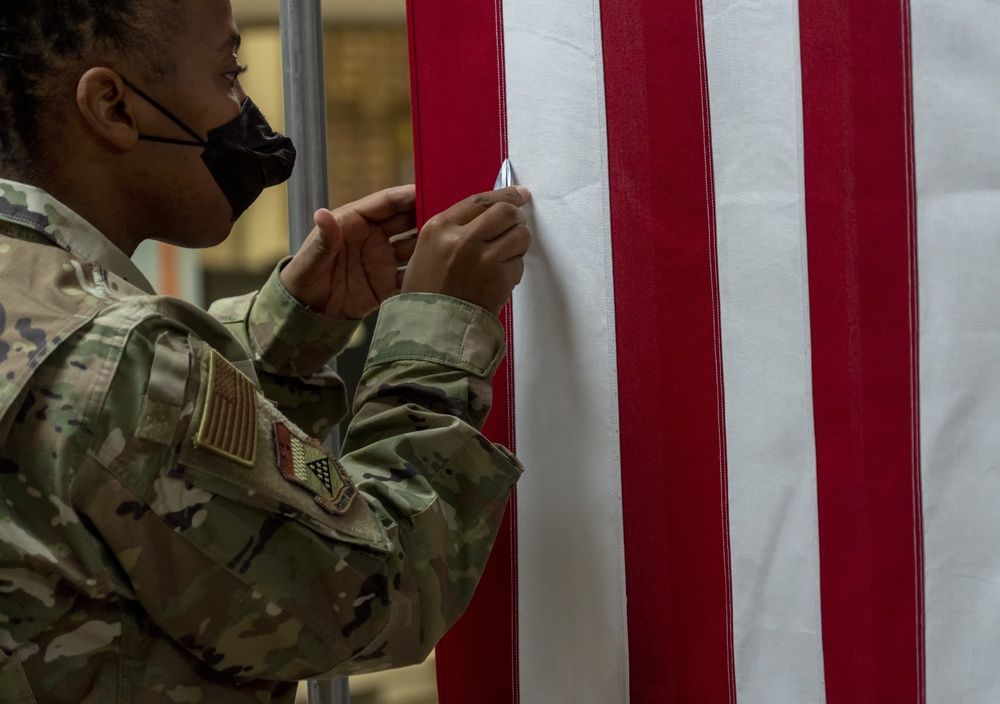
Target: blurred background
[{"x": 370, "y": 147}]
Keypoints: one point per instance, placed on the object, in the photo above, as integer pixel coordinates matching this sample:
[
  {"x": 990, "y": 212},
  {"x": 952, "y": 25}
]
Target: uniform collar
[{"x": 32, "y": 207}]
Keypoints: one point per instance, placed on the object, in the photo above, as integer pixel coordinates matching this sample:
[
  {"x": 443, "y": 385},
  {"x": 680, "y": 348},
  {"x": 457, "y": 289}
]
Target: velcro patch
[
  {"x": 229, "y": 416},
  {"x": 307, "y": 463}
]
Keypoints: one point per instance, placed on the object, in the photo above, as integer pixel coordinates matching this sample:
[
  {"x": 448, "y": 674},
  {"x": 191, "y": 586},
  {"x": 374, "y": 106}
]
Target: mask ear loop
[{"x": 170, "y": 116}]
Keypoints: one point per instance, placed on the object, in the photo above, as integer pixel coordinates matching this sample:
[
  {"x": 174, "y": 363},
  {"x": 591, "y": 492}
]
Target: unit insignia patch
[{"x": 307, "y": 463}]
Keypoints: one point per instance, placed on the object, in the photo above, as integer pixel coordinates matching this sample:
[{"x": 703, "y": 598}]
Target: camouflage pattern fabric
[{"x": 169, "y": 529}]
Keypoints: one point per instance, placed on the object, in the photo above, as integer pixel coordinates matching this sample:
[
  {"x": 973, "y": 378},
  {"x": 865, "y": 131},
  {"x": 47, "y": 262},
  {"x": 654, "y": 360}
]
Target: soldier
[{"x": 170, "y": 530}]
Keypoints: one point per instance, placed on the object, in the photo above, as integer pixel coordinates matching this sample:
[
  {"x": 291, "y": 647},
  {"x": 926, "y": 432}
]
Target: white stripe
[
  {"x": 756, "y": 104},
  {"x": 956, "y": 61},
  {"x": 573, "y": 638}
]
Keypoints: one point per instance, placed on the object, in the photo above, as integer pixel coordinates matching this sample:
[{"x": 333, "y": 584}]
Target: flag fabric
[{"x": 755, "y": 359}]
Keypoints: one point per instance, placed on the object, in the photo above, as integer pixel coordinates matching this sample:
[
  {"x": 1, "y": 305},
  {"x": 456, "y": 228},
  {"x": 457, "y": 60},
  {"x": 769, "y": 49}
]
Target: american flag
[
  {"x": 755, "y": 369},
  {"x": 229, "y": 416}
]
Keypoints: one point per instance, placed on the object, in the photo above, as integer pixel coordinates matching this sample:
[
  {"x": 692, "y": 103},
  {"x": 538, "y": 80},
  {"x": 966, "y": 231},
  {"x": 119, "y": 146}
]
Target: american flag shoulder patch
[
  {"x": 229, "y": 414},
  {"x": 304, "y": 461}
]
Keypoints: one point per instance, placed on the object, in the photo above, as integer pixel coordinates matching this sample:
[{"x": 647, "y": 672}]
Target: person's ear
[{"x": 101, "y": 99}]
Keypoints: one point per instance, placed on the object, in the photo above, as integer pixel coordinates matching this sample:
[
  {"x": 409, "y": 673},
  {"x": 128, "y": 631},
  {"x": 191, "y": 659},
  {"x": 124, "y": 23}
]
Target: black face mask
[{"x": 244, "y": 156}]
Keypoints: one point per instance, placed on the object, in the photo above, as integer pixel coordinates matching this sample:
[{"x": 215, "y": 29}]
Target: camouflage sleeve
[
  {"x": 290, "y": 346},
  {"x": 414, "y": 449},
  {"x": 262, "y": 555}
]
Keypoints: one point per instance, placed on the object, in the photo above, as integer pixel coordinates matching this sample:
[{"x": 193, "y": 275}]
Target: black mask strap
[
  {"x": 171, "y": 140},
  {"x": 199, "y": 142}
]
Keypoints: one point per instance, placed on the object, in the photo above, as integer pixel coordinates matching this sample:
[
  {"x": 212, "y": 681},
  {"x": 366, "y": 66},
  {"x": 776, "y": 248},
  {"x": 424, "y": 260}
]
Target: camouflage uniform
[{"x": 167, "y": 531}]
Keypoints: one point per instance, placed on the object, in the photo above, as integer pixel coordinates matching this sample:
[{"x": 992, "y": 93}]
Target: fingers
[
  {"x": 352, "y": 226},
  {"x": 511, "y": 244},
  {"x": 398, "y": 224},
  {"x": 403, "y": 249},
  {"x": 377, "y": 207},
  {"x": 515, "y": 270},
  {"x": 497, "y": 221},
  {"x": 388, "y": 213},
  {"x": 473, "y": 251},
  {"x": 470, "y": 209}
]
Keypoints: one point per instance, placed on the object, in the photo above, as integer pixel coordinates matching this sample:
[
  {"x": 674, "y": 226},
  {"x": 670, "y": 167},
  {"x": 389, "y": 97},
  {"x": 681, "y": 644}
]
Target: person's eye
[{"x": 234, "y": 75}]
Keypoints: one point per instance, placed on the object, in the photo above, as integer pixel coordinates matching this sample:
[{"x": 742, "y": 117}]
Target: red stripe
[
  {"x": 862, "y": 269},
  {"x": 456, "y": 59},
  {"x": 670, "y": 356}
]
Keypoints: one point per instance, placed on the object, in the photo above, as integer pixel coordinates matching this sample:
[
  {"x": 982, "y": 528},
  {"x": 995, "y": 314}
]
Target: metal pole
[
  {"x": 305, "y": 120},
  {"x": 333, "y": 690},
  {"x": 308, "y": 189},
  {"x": 305, "y": 111}
]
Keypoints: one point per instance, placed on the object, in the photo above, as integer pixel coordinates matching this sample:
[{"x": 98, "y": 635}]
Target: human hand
[
  {"x": 474, "y": 250},
  {"x": 347, "y": 266}
]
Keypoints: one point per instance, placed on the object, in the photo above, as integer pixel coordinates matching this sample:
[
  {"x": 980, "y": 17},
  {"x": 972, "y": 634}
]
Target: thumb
[
  {"x": 312, "y": 264},
  {"x": 326, "y": 240},
  {"x": 320, "y": 249}
]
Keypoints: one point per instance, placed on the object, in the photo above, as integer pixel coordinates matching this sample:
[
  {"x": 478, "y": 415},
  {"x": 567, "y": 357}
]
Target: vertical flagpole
[
  {"x": 305, "y": 123},
  {"x": 335, "y": 690},
  {"x": 305, "y": 112}
]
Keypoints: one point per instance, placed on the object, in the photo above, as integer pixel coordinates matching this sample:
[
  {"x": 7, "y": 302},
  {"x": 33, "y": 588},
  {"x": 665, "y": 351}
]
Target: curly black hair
[{"x": 42, "y": 40}]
